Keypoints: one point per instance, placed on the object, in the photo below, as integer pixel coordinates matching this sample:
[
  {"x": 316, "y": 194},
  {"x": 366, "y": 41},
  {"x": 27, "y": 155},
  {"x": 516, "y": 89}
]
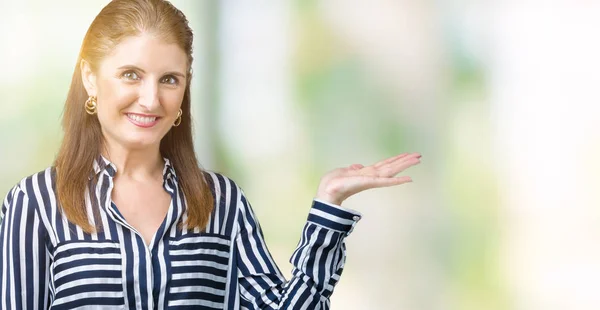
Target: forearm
[
  {"x": 318, "y": 263},
  {"x": 23, "y": 261}
]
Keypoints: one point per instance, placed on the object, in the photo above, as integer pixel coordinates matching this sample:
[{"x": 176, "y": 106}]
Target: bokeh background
[{"x": 500, "y": 97}]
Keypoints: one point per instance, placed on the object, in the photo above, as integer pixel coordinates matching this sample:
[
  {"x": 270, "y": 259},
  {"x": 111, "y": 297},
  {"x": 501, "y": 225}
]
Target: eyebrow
[{"x": 176, "y": 73}]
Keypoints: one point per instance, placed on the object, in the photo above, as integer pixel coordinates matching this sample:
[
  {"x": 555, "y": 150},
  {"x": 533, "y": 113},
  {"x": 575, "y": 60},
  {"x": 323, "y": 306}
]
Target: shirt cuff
[{"x": 333, "y": 216}]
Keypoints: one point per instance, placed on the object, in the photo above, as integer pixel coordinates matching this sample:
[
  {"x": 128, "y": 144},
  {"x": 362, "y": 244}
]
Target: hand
[{"x": 341, "y": 183}]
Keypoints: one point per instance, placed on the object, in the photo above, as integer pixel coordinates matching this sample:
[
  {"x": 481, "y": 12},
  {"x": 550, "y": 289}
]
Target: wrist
[{"x": 329, "y": 199}]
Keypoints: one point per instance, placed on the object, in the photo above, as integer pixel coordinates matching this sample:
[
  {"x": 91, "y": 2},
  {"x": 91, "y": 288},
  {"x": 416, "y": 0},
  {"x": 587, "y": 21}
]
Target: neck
[{"x": 137, "y": 164}]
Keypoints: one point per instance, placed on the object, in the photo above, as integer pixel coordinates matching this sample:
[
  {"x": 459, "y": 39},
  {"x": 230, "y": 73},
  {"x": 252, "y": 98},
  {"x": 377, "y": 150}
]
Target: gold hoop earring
[
  {"x": 178, "y": 119},
  {"x": 90, "y": 105}
]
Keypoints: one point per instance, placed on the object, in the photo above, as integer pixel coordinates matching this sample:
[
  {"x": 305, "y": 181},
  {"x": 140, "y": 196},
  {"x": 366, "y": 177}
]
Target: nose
[{"x": 149, "y": 97}]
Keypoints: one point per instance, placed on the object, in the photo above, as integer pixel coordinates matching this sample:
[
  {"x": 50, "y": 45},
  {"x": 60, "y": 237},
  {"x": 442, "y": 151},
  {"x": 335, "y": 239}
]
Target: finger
[
  {"x": 411, "y": 156},
  {"x": 396, "y": 167},
  {"x": 374, "y": 182},
  {"x": 403, "y": 165},
  {"x": 356, "y": 166},
  {"x": 389, "y": 160},
  {"x": 395, "y": 159}
]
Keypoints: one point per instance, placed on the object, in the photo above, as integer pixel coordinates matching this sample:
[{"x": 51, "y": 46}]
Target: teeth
[{"x": 141, "y": 119}]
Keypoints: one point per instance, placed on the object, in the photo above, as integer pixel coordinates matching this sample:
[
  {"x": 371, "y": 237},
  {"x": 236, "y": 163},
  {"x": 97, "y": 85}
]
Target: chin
[{"x": 140, "y": 143}]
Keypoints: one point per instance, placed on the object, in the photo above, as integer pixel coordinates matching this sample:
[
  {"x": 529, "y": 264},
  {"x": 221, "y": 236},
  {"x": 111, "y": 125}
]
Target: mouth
[{"x": 144, "y": 121}]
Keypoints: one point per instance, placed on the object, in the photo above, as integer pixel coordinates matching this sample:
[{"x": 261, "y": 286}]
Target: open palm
[{"x": 341, "y": 183}]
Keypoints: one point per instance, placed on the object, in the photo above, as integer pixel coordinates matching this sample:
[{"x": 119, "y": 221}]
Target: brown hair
[{"x": 83, "y": 138}]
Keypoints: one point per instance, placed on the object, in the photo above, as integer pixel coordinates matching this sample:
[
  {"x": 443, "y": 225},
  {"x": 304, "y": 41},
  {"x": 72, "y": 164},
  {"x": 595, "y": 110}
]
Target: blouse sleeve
[
  {"x": 24, "y": 273},
  {"x": 318, "y": 260}
]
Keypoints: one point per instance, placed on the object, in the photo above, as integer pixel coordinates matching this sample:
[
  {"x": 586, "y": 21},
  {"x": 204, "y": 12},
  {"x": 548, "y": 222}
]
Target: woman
[{"x": 126, "y": 218}]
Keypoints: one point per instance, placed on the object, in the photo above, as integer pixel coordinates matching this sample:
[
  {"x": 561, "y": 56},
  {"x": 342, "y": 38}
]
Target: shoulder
[
  {"x": 229, "y": 201},
  {"x": 222, "y": 186},
  {"x": 40, "y": 182},
  {"x": 38, "y": 186}
]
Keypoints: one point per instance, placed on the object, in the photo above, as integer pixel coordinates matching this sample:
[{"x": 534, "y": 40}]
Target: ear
[{"x": 88, "y": 77}]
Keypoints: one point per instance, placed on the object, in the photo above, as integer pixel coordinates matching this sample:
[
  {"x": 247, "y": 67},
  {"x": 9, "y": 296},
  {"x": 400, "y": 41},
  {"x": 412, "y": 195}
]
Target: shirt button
[{"x": 356, "y": 218}]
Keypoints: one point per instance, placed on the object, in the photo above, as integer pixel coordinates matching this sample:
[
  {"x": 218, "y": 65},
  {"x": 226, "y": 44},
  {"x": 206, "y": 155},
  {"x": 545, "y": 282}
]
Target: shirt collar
[
  {"x": 169, "y": 170},
  {"x": 102, "y": 164}
]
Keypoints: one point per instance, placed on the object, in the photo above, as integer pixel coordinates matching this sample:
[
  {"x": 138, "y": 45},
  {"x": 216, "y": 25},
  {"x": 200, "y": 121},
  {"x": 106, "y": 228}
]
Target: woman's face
[{"x": 139, "y": 89}]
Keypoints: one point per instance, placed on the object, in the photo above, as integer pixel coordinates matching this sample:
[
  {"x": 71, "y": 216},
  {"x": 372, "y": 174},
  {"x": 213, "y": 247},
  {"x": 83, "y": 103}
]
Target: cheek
[
  {"x": 171, "y": 101},
  {"x": 113, "y": 97}
]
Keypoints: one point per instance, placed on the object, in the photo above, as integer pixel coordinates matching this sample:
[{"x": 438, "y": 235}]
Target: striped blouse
[{"x": 46, "y": 262}]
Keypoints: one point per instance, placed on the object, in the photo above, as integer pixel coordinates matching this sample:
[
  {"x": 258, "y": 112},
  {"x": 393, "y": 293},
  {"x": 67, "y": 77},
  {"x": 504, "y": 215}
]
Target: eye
[
  {"x": 130, "y": 75},
  {"x": 169, "y": 79}
]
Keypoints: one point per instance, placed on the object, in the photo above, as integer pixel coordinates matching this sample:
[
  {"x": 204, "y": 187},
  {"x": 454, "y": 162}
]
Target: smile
[{"x": 142, "y": 121}]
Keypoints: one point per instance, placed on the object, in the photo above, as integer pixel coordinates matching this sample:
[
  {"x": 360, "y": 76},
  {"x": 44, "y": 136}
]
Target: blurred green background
[{"x": 284, "y": 91}]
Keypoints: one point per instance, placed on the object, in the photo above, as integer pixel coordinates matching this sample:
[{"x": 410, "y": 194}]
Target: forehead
[{"x": 148, "y": 52}]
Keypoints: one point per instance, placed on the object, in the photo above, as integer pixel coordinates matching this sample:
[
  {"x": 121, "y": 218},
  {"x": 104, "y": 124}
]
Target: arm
[
  {"x": 24, "y": 262},
  {"x": 318, "y": 260}
]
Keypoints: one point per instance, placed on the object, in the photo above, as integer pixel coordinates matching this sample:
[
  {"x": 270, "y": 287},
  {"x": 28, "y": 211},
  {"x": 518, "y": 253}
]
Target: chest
[
  {"x": 116, "y": 268},
  {"x": 144, "y": 206},
  {"x": 185, "y": 270}
]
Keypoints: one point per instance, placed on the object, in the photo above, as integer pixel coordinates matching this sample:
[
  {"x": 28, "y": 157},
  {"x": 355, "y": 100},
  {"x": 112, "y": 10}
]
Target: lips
[
  {"x": 144, "y": 121},
  {"x": 141, "y": 119}
]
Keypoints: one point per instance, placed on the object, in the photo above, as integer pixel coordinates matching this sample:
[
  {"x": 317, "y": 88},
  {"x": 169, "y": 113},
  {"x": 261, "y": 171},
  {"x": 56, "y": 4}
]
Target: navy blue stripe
[
  {"x": 87, "y": 275},
  {"x": 130, "y": 290},
  {"x": 336, "y": 212},
  {"x": 100, "y": 301},
  {"x": 223, "y": 206},
  {"x": 157, "y": 278},
  {"x": 228, "y": 228},
  {"x": 86, "y": 250},
  {"x": 87, "y": 261},
  {"x": 201, "y": 257},
  {"x": 86, "y": 236},
  {"x": 43, "y": 264},
  {"x": 222, "y": 201},
  {"x": 198, "y": 282},
  {"x": 233, "y": 280},
  {"x": 112, "y": 227},
  {"x": 201, "y": 245},
  {"x": 30, "y": 241},
  {"x": 328, "y": 223},
  {"x": 142, "y": 276},
  {"x": 197, "y": 295},
  {"x": 15, "y": 216},
  {"x": 203, "y": 269}
]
